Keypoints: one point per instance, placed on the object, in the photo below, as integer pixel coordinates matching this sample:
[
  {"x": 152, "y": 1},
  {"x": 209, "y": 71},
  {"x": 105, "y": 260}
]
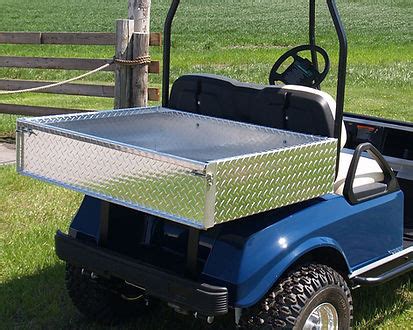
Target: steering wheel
[{"x": 302, "y": 71}]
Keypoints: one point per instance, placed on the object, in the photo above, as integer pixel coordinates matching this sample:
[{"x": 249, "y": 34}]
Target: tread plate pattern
[
  {"x": 236, "y": 182},
  {"x": 142, "y": 183},
  {"x": 272, "y": 180}
]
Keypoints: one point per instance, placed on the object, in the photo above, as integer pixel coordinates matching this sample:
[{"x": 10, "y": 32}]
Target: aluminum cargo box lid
[{"x": 188, "y": 168}]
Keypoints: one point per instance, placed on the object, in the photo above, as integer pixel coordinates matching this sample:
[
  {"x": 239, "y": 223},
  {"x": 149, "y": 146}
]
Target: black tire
[
  {"x": 290, "y": 302},
  {"x": 102, "y": 300}
]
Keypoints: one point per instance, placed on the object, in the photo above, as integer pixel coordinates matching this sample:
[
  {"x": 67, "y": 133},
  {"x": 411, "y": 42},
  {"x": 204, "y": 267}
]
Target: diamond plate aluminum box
[{"x": 196, "y": 170}]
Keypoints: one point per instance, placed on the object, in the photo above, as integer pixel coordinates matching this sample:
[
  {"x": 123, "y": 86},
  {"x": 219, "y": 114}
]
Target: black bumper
[{"x": 193, "y": 296}]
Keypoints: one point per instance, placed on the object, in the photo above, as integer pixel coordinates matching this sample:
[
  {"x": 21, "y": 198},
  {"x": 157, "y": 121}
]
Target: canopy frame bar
[{"x": 342, "y": 64}]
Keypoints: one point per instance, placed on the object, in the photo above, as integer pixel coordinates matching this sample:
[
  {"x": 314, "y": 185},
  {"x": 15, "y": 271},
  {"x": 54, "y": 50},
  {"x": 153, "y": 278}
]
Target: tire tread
[
  {"x": 98, "y": 300},
  {"x": 284, "y": 303}
]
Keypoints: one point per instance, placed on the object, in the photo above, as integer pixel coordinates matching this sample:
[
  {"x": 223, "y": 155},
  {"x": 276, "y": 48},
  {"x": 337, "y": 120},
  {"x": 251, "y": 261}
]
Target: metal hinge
[
  {"x": 25, "y": 130},
  {"x": 208, "y": 177}
]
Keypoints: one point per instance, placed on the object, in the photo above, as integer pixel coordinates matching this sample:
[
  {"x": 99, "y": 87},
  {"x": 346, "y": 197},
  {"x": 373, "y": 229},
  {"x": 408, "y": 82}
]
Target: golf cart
[{"x": 263, "y": 201}]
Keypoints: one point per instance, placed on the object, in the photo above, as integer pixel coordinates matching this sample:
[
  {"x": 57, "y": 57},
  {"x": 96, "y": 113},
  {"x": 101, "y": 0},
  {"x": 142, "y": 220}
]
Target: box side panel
[
  {"x": 267, "y": 181},
  {"x": 176, "y": 134},
  {"x": 143, "y": 183},
  {"x": 19, "y": 150}
]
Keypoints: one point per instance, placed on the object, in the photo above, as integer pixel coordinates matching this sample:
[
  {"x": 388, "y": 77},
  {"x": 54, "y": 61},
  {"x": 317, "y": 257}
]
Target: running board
[{"x": 384, "y": 270}]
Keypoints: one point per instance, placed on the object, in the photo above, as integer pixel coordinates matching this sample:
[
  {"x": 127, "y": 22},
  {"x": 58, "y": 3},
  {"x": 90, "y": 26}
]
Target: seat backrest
[{"x": 294, "y": 108}]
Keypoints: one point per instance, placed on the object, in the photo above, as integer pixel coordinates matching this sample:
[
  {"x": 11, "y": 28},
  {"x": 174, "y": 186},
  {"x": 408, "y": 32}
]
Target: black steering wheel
[{"x": 302, "y": 71}]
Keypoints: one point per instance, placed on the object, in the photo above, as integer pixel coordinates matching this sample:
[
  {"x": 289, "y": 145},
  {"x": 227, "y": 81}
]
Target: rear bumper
[{"x": 190, "y": 295}]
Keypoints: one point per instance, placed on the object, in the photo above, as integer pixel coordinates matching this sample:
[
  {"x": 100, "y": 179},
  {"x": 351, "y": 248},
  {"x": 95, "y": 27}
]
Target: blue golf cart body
[
  {"x": 249, "y": 256},
  {"x": 360, "y": 234}
]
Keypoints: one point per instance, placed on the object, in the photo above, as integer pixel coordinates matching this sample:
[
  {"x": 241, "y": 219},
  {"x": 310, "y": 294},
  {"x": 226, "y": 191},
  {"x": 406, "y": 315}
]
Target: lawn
[{"x": 240, "y": 39}]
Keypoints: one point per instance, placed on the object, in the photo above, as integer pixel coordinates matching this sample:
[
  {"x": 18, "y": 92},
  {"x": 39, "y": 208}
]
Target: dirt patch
[
  {"x": 7, "y": 153},
  {"x": 8, "y": 138}
]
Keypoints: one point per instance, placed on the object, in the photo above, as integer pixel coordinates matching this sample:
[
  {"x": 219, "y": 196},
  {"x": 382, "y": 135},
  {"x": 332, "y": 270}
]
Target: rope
[
  {"x": 137, "y": 61},
  {"x": 34, "y": 89}
]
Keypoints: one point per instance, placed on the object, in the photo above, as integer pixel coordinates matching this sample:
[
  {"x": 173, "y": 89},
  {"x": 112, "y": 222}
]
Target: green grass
[
  {"x": 240, "y": 39},
  {"x": 237, "y": 38}
]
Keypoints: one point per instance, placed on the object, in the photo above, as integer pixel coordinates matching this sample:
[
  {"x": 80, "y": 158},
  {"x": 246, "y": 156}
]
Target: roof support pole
[
  {"x": 341, "y": 77},
  {"x": 311, "y": 32},
  {"x": 167, "y": 52},
  {"x": 342, "y": 65}
]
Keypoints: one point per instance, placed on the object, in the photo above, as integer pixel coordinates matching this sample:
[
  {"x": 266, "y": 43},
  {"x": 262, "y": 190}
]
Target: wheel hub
[{"x": 324, "y": 316}]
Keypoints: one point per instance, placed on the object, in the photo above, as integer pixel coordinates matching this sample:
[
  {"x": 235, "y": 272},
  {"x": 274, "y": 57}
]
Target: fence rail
[
  {"x": 69, "y": 89},
  {"x": 31, "y": 110},
  {"x": 63, "y": 63},
  {"x": 63, "y": 38},
  {"x": 68, "y": 38}
]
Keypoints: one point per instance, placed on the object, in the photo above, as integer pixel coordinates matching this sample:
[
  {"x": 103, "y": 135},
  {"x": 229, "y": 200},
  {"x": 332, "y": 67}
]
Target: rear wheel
[
  {"x": 103, "y": 300},
  {"x": 311, "y": 297}
]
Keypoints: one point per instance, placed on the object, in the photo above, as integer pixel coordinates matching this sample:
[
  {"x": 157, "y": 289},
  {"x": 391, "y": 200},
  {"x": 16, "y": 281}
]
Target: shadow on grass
[
  {"x": 41, "y": 301},
  {"x": 378, "y": 304}
]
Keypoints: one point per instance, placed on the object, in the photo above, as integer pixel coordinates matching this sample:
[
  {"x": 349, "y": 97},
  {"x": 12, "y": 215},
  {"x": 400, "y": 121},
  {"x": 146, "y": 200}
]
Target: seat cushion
[
  {"x": 330, "y": 101},
  {"x": 368, "y": 171},
  {"x": 291, "y": 108}
]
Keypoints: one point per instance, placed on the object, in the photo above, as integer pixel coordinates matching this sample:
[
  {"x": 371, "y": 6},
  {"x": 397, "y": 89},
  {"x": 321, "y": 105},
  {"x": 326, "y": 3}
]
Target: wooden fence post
[
  {"x": 123, "y": 74},
  {"x": 140, "y": 72},
  {"x": 139, "y": 11}
]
